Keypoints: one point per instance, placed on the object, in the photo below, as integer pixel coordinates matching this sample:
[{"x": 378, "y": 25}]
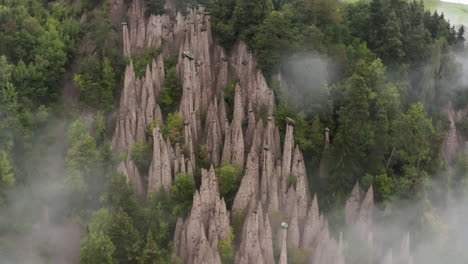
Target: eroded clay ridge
[{"x": 275, "y": 213}]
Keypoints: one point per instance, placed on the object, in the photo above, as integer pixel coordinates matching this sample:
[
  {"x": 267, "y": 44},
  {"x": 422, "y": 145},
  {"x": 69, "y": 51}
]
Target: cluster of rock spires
[
  {"x": 196, "y": 239},
  {"x": 266, "y": 196},
  {"x": 203, "y": 80}
]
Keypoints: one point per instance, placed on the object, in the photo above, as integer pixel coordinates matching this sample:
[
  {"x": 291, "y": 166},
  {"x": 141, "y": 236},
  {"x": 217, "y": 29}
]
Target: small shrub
[
  {"x": 146, "y": 59},
  {"x": 174, "y": 128},
  {"x": 384, "y": 186},
  {"x": 152, "y": 125},
  {"x": 292, "y": 180},
  {"x": 229, "y": 95},
  {"x": 171, "y": 91},
  {"x": 237, "y": 225},
  {"x": 171, "y": 62},
  {"x": 185, "y": 149},
  {"x": 202, "y": 115},
  {"x": 203, "y": 158},
  {"x": 229, "y": 179},
  {"x": 182, "y": 193},
  {"x": 263, "y": 114},
  {"x": 226, "y": 249},
  {"x": 141, "y": 153}
]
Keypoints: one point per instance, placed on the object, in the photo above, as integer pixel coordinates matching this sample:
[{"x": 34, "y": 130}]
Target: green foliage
[
  {"x": 121, "y": 195},
  {"x": 237, "y": 224},
  {"x": 222, "y": 22},
  {"x": 96, "y": 248},
  {"x": 277, "y": 35},
  {"x": 142, "y": 154},
  {"x": 174, "y": 128},
  {"x": 292, "y": 180},
  {"x": 160, "y": 218},
  {"x": 146, "y": 59},
  {"x": 263, "y": 114},
  {"x": 127, "y": 221},
  {"x": 226, "y": 249},
  {"x": 88, "y": 165},
  {"x": 203, "y": 157},
  {"x": 182, "y": 192},
  {"x": 229, "y": 95},
  {"x": 125, "y": 237},
  {"x": 155, "y": 123},
  {"x": 171, "y": 91},
  {"x": 9, "y": 125},
  {"x": 90, "y": 4},
  {"x": 39, "y": 43},
  {"x": 248, "y": 15},
  {"x": 229, "y": 180},
  {"x": 100, "y": 221},
  {"x": 155, "y": 7},
  {"x": 384, "y": 186},
  {"x": 7, "y": 177},
  {"x": 100, "y": 33},
  {"x": 97, "y": 84},
  {"x": 380, "y": 134},
  {"x": 463, "y": 127},
  {"x": 81, "y": 156},
  {"x": 367, "y": 181},
  {"x": 151, "y": 254},
  {"x": 412, "y": 134},
  {"x": 461, "y": 99},
  {"x": 308, "y": 134}
]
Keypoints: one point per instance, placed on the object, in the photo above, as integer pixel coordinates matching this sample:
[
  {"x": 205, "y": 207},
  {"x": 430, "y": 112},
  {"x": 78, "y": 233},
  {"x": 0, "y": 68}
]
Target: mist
[
  {"x": 36, "y": 225},
  {"x": 303, "y": 82},
  {"x": 450, "y": 243},
  {"x": 443, "y": 238}
]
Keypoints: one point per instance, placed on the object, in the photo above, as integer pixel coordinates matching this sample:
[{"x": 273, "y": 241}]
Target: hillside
[{"x": 302, "y": 131}]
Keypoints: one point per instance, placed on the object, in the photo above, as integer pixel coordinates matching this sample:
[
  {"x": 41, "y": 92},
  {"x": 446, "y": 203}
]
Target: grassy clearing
[{"x": 456, "y": 13}]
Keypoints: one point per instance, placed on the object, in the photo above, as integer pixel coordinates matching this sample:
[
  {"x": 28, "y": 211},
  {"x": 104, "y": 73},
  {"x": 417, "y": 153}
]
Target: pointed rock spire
[
  {"x": 213, "y": 133},
  {"x": 293, "y": 230},
  {"x": 352, "y": 205},
  {"x": 366, "y": 212},
  {"x": 287, "y": 156},
  {"x": 249, "y": 185},
  {"x": 284, "y": 251},
  {"x": 302, "y": 185},
  {"x": 160, "y": 173}
]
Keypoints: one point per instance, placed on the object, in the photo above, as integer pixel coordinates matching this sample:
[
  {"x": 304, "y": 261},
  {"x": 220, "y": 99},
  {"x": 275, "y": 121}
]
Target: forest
[{"x": 392, "y": 70}]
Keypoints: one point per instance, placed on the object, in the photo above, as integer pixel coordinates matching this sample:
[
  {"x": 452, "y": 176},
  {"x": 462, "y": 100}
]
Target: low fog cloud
[
  {"x": 35, "y": 227},
  {"x": 450, "y": 245},
  {"x": 303, "y": 82},
  {"x": 462, "y": 59},
  {"x": 411, "y": 234}
]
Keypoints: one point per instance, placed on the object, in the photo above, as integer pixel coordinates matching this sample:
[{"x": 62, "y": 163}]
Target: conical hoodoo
[{"x": 278, "y": 214}]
